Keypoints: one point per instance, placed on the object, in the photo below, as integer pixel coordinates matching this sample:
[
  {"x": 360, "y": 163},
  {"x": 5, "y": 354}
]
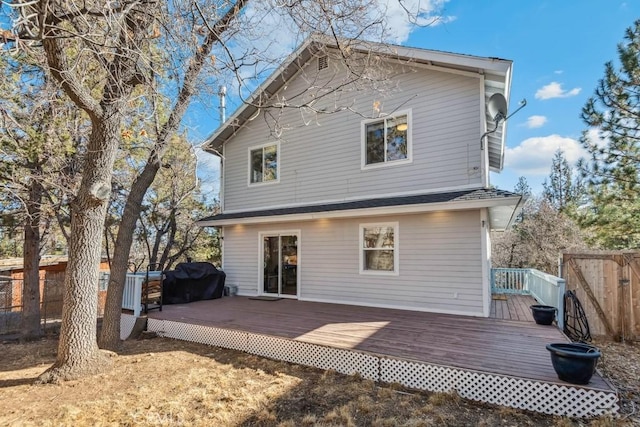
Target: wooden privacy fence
[{"x": 608, "y": 286}]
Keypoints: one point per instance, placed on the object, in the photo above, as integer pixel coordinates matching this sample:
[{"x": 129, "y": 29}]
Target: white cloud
[
  {"x": 208, "y": 172},
  {"x": 533, "y": 156},
  {"x": 270, "y": 34},
  {"x": 594, "y": 137},
  {"x": 425, "y": 13},
  {"x": 554, "y": 90},
  {"x": 558, "y": 72},
  {"x": 534, "y": 122}
]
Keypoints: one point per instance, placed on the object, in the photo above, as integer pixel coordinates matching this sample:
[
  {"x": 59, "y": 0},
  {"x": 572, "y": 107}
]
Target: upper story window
[
  {"x": 323, "y": 62},
  {"x": 263, "y": 163},
  {"x": 379, "y": 248},
  {"x": 387, "y": 141}
]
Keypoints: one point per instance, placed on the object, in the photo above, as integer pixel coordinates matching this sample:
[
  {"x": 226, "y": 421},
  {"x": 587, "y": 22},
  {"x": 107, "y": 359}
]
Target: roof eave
[
  {"x": 496, "y": 67},
  {"x": 363, "y": 212}
]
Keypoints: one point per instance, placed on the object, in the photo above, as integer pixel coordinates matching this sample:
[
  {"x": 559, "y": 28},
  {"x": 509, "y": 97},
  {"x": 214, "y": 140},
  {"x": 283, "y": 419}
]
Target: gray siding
[
  {"x": 321, "y": 161},
  {"x": 440, "y": 262}
]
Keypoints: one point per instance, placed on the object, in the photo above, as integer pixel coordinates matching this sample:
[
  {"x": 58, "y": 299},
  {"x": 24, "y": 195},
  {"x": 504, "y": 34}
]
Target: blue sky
[{"x": 558, "y": 48}]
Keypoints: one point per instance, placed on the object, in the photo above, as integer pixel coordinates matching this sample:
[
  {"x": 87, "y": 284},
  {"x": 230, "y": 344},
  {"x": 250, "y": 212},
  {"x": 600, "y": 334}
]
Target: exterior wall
[
  {"x": 321, "y": 161},
  {"x": 440, "y": 262}
]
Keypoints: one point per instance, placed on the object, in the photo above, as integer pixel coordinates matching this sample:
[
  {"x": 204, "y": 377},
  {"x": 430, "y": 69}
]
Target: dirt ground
[{"x": 174, "y": 383}]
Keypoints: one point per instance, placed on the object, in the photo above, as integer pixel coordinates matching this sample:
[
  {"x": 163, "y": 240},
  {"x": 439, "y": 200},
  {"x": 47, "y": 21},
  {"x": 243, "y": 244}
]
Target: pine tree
[
  {"x": 522, "y": 187},
  {"x": 613, "y": 168},
  {"x": 563, "y": 190}
]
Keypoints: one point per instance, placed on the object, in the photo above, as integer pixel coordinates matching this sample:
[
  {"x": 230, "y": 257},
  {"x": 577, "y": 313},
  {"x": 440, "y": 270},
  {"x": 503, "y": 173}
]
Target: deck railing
[
  {"x": 545, "y": 288},
  {"x": 132, "y": 294}
]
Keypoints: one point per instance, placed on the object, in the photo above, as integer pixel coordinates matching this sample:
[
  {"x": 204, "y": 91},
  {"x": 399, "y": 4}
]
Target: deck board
[{"x": 508, "y": 344}]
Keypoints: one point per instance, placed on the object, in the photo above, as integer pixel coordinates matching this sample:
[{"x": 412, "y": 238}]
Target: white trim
[
  {"x": 485, "y": 255},
  {"x": 385, "y": 163},
  {"x": 263, "y": 146},
  {"x": 439, "y": 68},
  {"x": 396, "y": 248},
  {"x": 356, "y": 198},
  {"x": 354, "y": 213},
  {"x": 279, "y": 233}
]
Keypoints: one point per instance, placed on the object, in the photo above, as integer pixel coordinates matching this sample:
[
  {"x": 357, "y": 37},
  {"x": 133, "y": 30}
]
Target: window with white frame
[
  {"x": 263, "y": 164},
  {"x": 387, "y": 140},
  {"x": 379, "y": 248}
]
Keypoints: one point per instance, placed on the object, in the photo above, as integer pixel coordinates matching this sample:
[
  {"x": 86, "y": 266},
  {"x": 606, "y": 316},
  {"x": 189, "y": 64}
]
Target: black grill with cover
[{"x": 192, "y": 281}]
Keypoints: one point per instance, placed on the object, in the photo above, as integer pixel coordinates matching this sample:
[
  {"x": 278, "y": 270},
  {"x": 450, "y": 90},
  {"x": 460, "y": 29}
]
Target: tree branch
[{"x": 68, "y": 80}]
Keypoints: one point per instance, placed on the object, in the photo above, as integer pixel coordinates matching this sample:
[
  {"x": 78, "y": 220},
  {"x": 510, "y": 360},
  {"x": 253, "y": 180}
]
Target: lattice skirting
[
  {"x": 126, "y": 325},
  {"x": 538, "y": 396}
]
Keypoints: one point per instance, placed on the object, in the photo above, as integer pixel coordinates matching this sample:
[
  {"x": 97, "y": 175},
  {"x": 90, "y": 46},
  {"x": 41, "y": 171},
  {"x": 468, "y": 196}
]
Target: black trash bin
[{"x": 192, "y": 281}]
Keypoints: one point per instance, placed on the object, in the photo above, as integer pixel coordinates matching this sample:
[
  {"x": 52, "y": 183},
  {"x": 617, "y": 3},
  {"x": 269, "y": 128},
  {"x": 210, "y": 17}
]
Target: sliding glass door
[{"x": 280, "y": 264}]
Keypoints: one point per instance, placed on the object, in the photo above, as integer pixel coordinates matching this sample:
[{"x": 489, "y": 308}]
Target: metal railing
[{"x": 545, "y": 288}]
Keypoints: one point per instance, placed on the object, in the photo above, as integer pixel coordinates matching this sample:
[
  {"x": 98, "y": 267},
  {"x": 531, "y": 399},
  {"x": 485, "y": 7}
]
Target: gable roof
[
  {"x": 502, "y": 205},
  {"x": 496, "y": 73}
]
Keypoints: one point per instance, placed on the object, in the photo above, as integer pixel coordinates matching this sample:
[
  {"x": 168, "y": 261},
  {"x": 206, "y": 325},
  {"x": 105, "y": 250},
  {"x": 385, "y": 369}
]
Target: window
[
  {"x": 323, "y": 62},
  {"x": 387, "y": 140},
  {"x": 263, "y": 164},
  {"x": 379, "y": 248}
]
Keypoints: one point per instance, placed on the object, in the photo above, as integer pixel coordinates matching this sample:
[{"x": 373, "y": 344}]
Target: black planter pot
[
  {"x": 574, "y": 362},
  {"x": 543, "y": 314}
]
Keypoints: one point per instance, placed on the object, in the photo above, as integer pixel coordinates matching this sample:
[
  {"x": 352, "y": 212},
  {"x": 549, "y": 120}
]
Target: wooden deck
[
  {"x": 508, "y": 344},
  {"x": 512, "y": 307}
]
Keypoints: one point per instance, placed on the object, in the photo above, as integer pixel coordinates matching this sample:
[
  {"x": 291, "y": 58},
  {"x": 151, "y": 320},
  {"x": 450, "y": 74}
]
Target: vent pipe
[{"x": 223, "y": 104}]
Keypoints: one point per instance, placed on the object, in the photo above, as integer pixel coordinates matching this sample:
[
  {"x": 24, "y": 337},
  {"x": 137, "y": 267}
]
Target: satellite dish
[{"x": 497, "y": 107}]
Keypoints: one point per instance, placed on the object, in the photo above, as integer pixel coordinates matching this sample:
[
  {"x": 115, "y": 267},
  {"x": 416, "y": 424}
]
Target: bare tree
[
  {"x": 112, "y": 41},
  {"x": 228, "y": 46},
  {"x": 538, "y": 239},
  {"x": 120, "y": 44}
]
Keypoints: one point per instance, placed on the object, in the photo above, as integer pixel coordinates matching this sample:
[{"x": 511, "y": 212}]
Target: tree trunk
[
  {"x": 170, "y": 240},
  {"x": 78, "y": 352},
  {"x": 110, "y": 333},
  {"x": 153, "y": 254},
  {"x": 30, "y": 324}
]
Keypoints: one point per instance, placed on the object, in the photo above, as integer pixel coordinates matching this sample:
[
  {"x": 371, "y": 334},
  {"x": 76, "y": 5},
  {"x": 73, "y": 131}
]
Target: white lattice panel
[
  {"x": 518, "y": 393},
  {"x": 418, "y": 375},
  {"x": 126, "y": 325},
  {"x": 156, "y": 325},
  {"x": 225, "y": 338},
  {"x": 343, "y": 361},
  {"x": 536, "y": 396}
]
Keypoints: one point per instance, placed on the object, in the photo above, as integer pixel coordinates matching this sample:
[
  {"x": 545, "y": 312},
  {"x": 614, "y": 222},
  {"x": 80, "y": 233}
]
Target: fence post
[{"x": 560, "y": 304}]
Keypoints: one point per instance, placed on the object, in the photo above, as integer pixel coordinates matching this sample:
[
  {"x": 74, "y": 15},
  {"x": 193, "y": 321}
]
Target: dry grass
[{"x": 166, "y": 382}]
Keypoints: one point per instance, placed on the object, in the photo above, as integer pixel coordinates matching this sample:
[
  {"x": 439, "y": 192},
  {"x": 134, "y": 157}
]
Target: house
[{"x": 365, "y": 180}]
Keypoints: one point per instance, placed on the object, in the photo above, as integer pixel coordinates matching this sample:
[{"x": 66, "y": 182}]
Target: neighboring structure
[
  {"x": 52, "y": 270},
  {"x": 366, "y": 184}
]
